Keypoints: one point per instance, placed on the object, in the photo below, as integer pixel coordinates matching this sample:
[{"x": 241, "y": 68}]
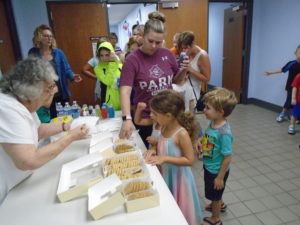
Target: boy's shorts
[
  {"x": 210, "y": 192},
  {"x": 296, "y": 110}
]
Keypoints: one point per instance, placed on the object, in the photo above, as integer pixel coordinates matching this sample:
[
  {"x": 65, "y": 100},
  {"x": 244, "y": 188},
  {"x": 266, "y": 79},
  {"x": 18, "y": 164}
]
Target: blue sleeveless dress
[{"x": 180, "y": 181}]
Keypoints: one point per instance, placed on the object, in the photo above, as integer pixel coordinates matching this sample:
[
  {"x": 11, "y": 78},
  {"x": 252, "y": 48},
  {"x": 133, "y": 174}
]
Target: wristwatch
[{"x": 126, "y": 118}]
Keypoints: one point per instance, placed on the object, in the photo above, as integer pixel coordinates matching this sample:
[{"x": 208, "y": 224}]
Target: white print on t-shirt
[
  {"x": 155, "y": 71},
  {"x": 164, "y": 58},
  {"x": 157, "y": 85}
]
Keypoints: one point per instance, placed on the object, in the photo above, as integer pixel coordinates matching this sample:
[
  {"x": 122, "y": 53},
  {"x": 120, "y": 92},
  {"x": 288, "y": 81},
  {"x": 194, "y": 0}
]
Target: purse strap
[{"x": 192, "y": 87}]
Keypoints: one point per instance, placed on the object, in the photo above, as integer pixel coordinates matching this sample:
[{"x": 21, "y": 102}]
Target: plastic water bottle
[
  {"x": 67, "y": 109},
  {"x": 59, "y": 110},
  {"x": 111, "y": 111},
  {"x": 75, "y": 110},
  {"x": 98, "y": 111},
  {"x": 91, "y": 109},
  {"x": 104, "y": 112}
]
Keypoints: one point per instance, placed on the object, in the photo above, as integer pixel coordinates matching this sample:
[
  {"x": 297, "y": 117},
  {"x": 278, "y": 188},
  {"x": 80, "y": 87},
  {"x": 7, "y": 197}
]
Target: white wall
[
  {"x": 28, "y": 15},
  {"x": 114, "y": 29},
  {"x": 275, "y": 36},
  {"x": 132, "y": 19},
  {"x": 215, "y": 40}
]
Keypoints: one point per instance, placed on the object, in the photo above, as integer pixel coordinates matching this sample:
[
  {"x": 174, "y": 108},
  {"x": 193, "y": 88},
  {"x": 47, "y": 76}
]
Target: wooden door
[
  {"x": 7, "y": 56},
  {"x": 76, "y": 26},
  {"x": 190, "y": 15},
  {"x": 234, "y": 20}
]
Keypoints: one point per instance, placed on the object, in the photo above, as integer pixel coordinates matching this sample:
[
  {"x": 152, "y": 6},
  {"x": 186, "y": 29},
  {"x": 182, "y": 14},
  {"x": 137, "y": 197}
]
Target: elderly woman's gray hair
[{"x": 26, "y": 80}]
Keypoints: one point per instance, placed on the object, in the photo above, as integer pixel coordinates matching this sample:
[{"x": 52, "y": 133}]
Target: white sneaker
[{"x": 291, "y": 129}]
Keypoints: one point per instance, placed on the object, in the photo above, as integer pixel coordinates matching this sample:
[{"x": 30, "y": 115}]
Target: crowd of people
[{"x": 157, "y": 90}]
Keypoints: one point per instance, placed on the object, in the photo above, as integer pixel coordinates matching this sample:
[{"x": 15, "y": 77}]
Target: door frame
[
  {"x": 72, "y": 2},
  {"x": 12, "y": 29},
  {"x": 247, "y": 42}
]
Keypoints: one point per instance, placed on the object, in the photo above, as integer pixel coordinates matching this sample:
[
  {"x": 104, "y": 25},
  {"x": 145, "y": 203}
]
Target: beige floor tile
[
  {"x": 264, "y": 181},
  {"x": 285, "y": 214},
  {"x": 250, "y": 220}
]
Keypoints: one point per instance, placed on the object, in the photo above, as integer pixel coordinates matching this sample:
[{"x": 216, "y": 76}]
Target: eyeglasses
[
  {"x": 51, "y": 87},
  {"x": 47, "y": 36}
]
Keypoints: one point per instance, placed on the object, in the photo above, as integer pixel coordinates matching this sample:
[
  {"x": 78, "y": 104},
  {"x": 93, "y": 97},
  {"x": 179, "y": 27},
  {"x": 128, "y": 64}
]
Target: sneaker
[
  {"x": 282, "y": 116},
  {"x": 291, "y": 129}
]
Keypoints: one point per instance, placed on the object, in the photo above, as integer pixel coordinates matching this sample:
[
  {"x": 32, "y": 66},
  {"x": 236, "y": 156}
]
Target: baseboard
[
  {"x": 263, "y": 104},
  {"x": 258, "y": 102}
]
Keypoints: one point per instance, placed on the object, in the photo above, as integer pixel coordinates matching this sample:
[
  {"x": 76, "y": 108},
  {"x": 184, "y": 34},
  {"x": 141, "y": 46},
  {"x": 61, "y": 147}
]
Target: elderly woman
[{"x": 26, "y": 88}]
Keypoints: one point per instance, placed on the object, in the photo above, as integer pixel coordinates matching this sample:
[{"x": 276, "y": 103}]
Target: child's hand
[
  {"x": 151, "y": 140},
  {"x": 141, "y": 106},
  {"x": 112, "y": 57},
  {"x": 267, "y": 73},
  {"x": 219, "y": 183},
  {"x": 294, "y": 102},
  {"x": 77, "y": 78},
  {"x": 199, "y": 145},
  {"x": 156, "y": 160},
  {"x": 148, "y": 154}
]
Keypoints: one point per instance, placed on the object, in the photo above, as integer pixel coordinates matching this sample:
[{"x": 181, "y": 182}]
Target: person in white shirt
[
  {"x": 184, "y": 88},
  {"x": 26, "y": 88}
]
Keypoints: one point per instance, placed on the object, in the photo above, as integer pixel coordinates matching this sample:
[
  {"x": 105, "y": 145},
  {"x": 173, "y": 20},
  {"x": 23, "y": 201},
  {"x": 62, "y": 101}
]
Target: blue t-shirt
[{"x": 216, "y": 144}]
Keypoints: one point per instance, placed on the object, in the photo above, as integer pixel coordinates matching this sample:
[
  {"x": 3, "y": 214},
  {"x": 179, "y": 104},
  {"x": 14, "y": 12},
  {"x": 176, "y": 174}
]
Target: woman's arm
[
  {"x": 86, "y": 70},
  {"x": 127, "y": 125},
  {"x": 29, "y": 157},
  {"x": 46, "y": 130},
  {"x": 205, "y": 69}
]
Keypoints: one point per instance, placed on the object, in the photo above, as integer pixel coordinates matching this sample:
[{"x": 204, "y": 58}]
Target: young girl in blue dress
[{"x": 174, "y": 151}]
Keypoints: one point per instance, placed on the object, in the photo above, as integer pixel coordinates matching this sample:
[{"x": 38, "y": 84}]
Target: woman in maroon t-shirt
[{"x": 148, "y": 70}]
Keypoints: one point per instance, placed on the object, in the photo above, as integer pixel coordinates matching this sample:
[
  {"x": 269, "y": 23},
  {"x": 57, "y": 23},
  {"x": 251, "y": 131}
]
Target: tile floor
[{"x": 264, "y": 183}]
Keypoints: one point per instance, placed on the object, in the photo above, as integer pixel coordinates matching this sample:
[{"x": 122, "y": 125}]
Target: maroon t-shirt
[{"x": 148, "y": 74}]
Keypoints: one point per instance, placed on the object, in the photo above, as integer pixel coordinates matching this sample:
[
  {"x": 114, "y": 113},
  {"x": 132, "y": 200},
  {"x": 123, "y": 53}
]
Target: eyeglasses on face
[
  {"x": 47, "y": 36},
  {"x": 51, "y": 87}
]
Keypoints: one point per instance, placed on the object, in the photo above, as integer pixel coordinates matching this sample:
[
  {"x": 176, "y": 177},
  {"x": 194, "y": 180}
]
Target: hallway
[{"x": 264, "y": 182}]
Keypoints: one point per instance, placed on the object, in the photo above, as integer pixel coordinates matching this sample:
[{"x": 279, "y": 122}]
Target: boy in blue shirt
[
  {"x": 294, "y": 68},
  {"x": 217, "y": 149}
]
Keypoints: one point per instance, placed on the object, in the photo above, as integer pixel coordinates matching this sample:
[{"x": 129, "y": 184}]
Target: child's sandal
[{"x": 223, "y": 207}]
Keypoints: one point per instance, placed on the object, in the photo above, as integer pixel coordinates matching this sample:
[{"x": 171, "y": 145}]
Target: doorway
[
  {"x": 76, "y": 36},
  {"x": 9, "y": 44},
  {"x": 229, "y": 44},
  {"x": 121, "y": 18}
]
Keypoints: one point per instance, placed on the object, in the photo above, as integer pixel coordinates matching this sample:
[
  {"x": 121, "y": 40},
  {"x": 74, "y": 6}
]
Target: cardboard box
[
  {"x": 78, "y": 176},
  {"x": 101, "y": 142},
  {"x": 125, "y": 166},
  {"x": 105, "y": 196},
  {"x": 142, "y": 203}
]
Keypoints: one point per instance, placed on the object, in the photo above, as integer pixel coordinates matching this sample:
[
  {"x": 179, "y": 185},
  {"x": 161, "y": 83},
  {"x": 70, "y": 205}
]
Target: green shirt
[
  {"x": 44, "y": 114},
  {"x": 216, "y": 144}
]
